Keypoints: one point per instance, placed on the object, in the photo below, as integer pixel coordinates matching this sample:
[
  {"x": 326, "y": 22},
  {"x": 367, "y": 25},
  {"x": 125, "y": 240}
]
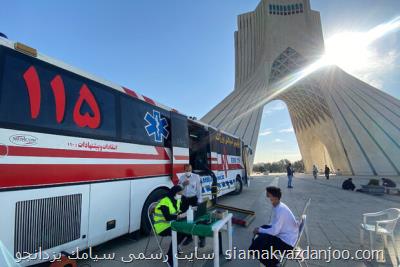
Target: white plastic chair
[
  {"x": 383, "y": 227},
  {"x": 150, "y": 216}
]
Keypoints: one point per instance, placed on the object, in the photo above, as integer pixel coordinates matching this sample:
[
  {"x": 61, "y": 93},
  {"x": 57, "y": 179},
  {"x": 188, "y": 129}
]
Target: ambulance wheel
[
  {"x": 238, "y": 186},
  {"x": 156, "y": 195}
]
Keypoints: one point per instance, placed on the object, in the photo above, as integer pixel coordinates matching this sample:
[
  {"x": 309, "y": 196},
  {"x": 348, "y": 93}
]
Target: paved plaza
[{"x": 333, "y": 222}]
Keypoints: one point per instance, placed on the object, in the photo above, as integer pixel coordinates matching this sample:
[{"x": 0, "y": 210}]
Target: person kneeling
[
  {"x": 167, "y": 210},
  {"x": 348, "y": 185},
  {"x": 280, "y": 235}
]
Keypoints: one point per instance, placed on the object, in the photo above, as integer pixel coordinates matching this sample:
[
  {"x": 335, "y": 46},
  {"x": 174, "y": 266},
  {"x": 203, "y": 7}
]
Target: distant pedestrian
[
  {"x": 290, "y": 172},
  {"x": 327, "y": 171},
  {"x": 348, "y": 185},
  {"x": 315, "y": 171}
]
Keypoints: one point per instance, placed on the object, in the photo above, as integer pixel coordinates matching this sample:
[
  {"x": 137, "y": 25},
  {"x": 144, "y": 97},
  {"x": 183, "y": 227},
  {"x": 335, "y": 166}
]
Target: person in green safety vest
[{"x": 167, "y": 210}]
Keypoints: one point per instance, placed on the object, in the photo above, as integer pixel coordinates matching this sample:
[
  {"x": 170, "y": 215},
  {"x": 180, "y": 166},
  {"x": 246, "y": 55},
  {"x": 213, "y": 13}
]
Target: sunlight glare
[
  {"x": 351, "y": 50},
  {"x": 348, "y": 50}
]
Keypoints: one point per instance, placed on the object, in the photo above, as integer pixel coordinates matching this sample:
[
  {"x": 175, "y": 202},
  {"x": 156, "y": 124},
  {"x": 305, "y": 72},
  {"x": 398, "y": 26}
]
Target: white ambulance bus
[{"x": 81, "y": 159}]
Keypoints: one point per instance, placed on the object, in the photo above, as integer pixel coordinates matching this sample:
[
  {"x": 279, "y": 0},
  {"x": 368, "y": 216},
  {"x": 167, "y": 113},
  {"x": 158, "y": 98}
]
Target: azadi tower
[{"x": 338, "y": 119}]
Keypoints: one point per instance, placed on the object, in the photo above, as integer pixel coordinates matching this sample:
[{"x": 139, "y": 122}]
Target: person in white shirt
[
  {"x": 191, "y": 194},
  {"x": 192, "y": 186},
  {"x": 281, "y": 234}
]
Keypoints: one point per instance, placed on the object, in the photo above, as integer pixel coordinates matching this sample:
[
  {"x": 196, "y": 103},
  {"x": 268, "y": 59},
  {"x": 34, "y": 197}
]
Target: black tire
[
  {"x": 156, "y": 195},
  {"x": 238, "y": 186}
]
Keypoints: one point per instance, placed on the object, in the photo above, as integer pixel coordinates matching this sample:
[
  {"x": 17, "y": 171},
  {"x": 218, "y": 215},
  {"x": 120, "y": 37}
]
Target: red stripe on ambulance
[
  {"x": 15, "y": 175},
  {"x": 67, "y": 153}
]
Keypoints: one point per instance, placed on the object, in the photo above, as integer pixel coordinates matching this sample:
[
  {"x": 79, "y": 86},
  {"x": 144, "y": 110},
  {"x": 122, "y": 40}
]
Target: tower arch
[{"x": 337, "y": 118}]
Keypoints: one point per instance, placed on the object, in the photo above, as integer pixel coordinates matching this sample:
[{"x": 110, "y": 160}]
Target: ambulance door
[{"x": 179, "y": 145}]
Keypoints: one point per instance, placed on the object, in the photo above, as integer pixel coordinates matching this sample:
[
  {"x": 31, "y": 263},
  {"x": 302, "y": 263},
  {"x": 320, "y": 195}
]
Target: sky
[{"x": 181, "y": 52}]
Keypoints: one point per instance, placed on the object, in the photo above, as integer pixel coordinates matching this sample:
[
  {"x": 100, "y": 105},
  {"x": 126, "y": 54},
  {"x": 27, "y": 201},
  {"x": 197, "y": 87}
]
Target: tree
[
  {"x": 259, "y": 167},
  {"x": 278, "y": 166},
  {"x": 298, "y": 166}
]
